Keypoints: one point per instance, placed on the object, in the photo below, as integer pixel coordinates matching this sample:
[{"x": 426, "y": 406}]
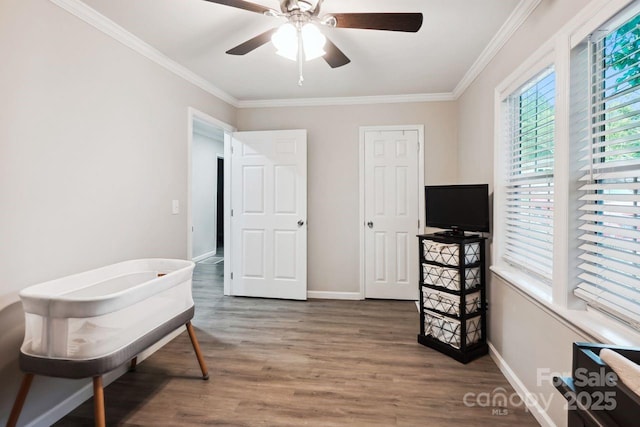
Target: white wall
[
  {"x": 333, "y": 186},
  {"x": 207, "y": 145},
  {"x": 525, "y": 335},
  {"x": 93, "y": 148}
]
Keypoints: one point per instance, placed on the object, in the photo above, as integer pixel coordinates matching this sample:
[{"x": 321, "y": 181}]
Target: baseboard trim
[
  {"x": 532, "y": 404},
  {"x": 56, "y": 413},
  {"x": 333, "y": 295},
  {"x": 203, "y": 256}
]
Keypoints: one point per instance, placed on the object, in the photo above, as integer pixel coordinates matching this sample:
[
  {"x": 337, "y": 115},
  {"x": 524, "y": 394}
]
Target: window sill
[
  {"x": 536, "y": 289},
  {"x": 592, "y": 324}
]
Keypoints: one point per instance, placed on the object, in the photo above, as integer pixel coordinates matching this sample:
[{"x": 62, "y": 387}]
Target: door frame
[
  {"x": 421, "y": 180},
  {"x": 194, "y": 114}
]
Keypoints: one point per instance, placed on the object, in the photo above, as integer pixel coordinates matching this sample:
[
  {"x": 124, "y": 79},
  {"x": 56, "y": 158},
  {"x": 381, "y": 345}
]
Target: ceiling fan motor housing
[{"x": 310, "y": 6}]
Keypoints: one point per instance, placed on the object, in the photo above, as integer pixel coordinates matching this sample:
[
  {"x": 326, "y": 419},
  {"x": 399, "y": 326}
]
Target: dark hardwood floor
[{"x": 289, "y": 363}]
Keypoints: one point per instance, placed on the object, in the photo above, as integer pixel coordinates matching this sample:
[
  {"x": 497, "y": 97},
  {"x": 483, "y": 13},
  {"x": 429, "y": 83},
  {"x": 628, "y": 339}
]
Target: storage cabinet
[{"x": 452, "y": 295}]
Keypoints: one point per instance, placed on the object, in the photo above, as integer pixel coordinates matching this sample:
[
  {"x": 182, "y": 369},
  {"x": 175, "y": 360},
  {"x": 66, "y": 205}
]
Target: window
[
  {"x": 528, "y": 176},
  {"x": 609, "y": 191},
  {"x": 567, "y": 181}
]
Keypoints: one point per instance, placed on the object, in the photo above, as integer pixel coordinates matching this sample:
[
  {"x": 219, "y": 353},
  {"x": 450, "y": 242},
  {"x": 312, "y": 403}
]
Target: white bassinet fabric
[
  {"x": 105, "y": 289},
  {"x": 83, "y": 368},
  {"x": 628, "y": 371},
  {"x": 93, "y": 314}
]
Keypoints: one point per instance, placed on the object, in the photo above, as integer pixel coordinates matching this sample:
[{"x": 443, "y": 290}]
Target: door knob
[
  {"x": 300, "y": 223},
  {"x": 370, "y": 224}
]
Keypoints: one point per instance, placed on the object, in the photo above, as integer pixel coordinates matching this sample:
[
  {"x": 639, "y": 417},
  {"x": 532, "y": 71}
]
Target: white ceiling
[{"x": 196, "y": 33}]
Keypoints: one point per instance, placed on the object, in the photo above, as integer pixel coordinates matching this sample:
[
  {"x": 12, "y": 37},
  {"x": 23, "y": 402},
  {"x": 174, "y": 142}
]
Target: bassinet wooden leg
[
  {"x": 196, "y": 347},
  {"x": 20, "y": 398},
  {"x": 133, "y": 364},
  {"x": 98, "y": 402}
]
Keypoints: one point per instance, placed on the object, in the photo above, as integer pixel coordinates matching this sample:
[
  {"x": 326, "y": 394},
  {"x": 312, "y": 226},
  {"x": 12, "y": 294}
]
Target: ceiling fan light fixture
[
  {"x": 313, "y": 41},
  {"x": 286, "y": 41}
]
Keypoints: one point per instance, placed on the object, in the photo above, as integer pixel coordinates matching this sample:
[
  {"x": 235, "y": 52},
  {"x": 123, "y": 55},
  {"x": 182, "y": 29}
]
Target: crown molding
[
  {"x": 110, "y": 28},
  {"x": 510, "y": 26},
  {"x": 355, "y": 100}
]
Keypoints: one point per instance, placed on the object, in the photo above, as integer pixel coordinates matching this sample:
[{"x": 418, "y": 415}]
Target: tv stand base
[{"x": 455, "y": 233}]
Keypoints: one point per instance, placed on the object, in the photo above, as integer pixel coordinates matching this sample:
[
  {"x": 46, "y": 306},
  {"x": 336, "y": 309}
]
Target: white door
[
  {"x": 269, "y": 214},
  {"x": 391, "y": 214}
]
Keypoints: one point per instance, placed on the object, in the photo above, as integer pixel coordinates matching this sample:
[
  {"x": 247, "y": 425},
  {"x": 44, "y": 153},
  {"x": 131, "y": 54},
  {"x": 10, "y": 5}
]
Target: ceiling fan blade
[
  {"x": 334, "y": 56},
  {"x": 254, "y": 43},
  {"x": 240, "y": 4},
  {"x": 407, "y": 22}
]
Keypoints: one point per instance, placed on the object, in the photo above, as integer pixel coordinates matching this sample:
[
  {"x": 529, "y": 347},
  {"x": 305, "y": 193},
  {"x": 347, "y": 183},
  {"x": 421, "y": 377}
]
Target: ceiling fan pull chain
[{"x": 300, "y": 57}]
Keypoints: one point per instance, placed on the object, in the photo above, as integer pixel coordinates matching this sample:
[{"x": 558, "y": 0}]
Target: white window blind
[
  {"x": 609, "y": 196},
  {"x": 528, "y": 208}
]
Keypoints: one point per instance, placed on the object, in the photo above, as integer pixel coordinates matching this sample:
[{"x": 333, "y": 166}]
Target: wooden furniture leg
[
  {"x": 98, "y": 402},
  {"x": 20, "y": 398},
  {"x": 196, "y": 347},
  {"x": 133, "y": 364}
]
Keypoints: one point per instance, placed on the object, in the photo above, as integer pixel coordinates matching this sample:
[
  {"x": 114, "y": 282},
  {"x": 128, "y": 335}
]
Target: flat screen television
[{"x": 458, "y": 208}]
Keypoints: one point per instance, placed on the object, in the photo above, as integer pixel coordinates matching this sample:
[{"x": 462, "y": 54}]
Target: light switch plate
[{"x": 175, "y": 207}]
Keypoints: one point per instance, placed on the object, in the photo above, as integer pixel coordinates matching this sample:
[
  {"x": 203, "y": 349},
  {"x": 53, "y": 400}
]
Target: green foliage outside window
[
  {"x": 621, "y": 91},
  {"x": 537, "y": 126}
]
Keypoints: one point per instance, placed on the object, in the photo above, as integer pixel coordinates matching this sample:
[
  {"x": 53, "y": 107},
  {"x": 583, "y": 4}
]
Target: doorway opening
[
  {"x": 209, "y": 193},
  {"x": 220, "y": 205},
  {"x": 206, "y": 150}
]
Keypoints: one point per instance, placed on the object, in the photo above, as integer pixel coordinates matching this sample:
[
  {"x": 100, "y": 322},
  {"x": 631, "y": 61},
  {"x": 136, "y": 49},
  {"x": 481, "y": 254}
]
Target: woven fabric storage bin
[
  {"x": 449, "y": 330},
  {"x": 450, "y": 304},
  {"x": 450, "y": 277},
  {"x": 449, "y": 253}
]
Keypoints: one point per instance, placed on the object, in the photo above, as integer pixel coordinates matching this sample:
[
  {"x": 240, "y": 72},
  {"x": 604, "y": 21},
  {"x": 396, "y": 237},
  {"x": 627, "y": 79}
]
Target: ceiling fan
[{"x": 300, "y": 37}]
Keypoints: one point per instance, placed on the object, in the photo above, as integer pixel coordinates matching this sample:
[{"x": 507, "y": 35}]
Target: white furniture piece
[{"x": 88, "y": 324}]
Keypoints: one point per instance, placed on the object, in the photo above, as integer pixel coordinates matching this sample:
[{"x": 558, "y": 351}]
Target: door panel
[
  {"x": 380, "y": 190},
  {"x": 391, "y": 207},
  {"x": 284, "y": 246},
  {"x": 253, "y": 253},
  {"x": 381, "y": 256},
  {"x": 253, "y": 189},
  {"x": 402, "y": 257},
  {"x": 285, "y": 190},
  {"x": 269, "y": 184}
]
